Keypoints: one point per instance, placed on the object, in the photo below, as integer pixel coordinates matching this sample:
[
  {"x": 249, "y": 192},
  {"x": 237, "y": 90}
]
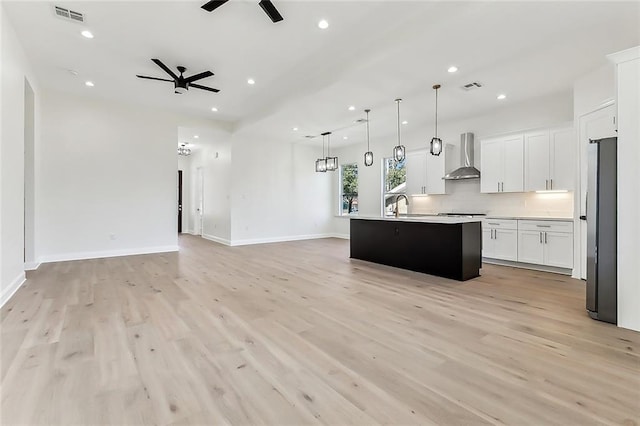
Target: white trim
[
  {"x": 12, "y": 288},
  {"x": 343, "y": 236},
  {"x": 279, "y": 239},
  {"x": 216, "y": 239},
  {"x": 31, "y": 266},
  {"x": 108, "y": 253},
  {"x": 625, "y": 55},
  {"x": 543, "y": 268}
]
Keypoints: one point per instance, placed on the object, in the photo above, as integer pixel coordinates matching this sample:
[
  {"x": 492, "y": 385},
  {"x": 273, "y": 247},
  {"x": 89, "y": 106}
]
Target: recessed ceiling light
[
  {"x": 405, "y": 122},
  {"x": 196, "y": 136},
  {"x": 214, "y": 109},
  {"x": 295, "y": 129},
  {"x": 502, "y": 96},
  {"x": 453, "y": 68},
  {"x": 251, "y": 81},
  {"x": 89, "y": 83},
  {"x": 87, "y": 34},
  {"x": 352, "y": 108},
  {"x": 345, "y": 137},
  {"x": 323, "y": 24}
]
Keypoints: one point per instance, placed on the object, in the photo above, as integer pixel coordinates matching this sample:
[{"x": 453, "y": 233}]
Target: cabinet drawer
[
  {"x": 545, "y": 226},
  {"x": 500, "y": 223}
]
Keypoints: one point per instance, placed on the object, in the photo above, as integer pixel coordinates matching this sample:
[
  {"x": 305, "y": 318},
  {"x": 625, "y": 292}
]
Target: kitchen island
[{"x": 449, "y": 247}]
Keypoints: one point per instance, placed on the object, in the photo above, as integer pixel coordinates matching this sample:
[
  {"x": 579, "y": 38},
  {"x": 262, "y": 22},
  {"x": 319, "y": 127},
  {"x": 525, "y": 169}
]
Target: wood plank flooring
[{"x": 297, "y": 333}]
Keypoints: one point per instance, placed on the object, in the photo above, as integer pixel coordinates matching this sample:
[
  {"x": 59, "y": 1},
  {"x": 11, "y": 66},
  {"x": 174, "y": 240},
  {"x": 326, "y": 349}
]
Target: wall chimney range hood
[{"x": 466, "y": 170}]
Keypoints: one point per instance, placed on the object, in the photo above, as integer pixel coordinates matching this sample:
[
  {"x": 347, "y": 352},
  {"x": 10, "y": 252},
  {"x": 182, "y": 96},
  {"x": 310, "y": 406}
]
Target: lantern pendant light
[
  {"x": 321, "y": 163},
  {"x": 332, "y": 162},
  {"x": 368, "y": 156},
  {"x": 436, "y": 142},
  {"x": 398, "y": 150}
]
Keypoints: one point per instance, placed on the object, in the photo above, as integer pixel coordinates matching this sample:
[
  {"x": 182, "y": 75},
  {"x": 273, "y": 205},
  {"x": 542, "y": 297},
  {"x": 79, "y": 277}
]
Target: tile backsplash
[{"x": 465, "y": 197}]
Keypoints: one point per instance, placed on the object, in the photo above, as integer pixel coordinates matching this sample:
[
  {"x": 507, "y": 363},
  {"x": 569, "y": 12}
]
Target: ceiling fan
[
  {"x": 266, "y": 5},
  {"x": 181, "y": 83}
]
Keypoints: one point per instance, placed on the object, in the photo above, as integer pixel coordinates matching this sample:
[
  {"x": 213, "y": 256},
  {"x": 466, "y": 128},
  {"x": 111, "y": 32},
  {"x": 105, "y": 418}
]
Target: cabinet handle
[
  {"x": 543, "y": 226},
  {"x": 545, "y": 238},
  {"x": 492, "y": 223},
  {"x": 498, "y": 186},
  {"x": 551, "y": 184},
  {"x": 546, "y": 184},
  {"x": 540, "y": 237},
  {"x": 502, "y": 186}
]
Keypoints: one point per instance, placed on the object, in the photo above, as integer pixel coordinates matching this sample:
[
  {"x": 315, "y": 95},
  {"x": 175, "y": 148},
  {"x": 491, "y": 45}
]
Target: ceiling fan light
[
  {"x": 180, "y": 90},
  {"x": 436, "y": 146},
  {"x": 368, "y": 158},
  {"x": 399, "y": 153}
]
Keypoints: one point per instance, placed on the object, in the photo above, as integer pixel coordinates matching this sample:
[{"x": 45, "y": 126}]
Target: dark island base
[{"x": 443, "y": 249}]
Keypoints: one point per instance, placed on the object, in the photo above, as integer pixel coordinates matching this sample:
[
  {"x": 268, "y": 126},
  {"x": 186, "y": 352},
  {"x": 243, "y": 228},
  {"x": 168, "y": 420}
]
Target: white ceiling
[{"x": 372, "y": 53}]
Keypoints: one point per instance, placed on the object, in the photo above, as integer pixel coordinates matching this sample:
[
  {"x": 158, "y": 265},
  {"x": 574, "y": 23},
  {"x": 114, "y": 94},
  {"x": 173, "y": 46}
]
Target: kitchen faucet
[{"x": 397, "y": 207}]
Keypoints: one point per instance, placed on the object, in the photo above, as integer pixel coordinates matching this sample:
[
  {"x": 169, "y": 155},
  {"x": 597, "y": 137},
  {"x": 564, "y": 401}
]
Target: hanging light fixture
[
  {"x": 436, "y": 142},
  {"x": 332, "y": 162},
  {"x": 321, "y": 163},
  {"x": 183, "y": 150},
  {"x": 368, "y": 156},
  {"x": 398, "y": 150}
]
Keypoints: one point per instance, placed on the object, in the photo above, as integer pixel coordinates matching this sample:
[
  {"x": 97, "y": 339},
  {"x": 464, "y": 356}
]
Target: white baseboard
[
  {"x": 279, "y": 239},
  {"x": 216, "y": 239},
  {"x": 12, "y": 288},
  {"x": 31, "y": 266},
  {"x": 343, "y": 236},
  {"x": 107, "y": 253},
  {"x": 531, "y": 266}
]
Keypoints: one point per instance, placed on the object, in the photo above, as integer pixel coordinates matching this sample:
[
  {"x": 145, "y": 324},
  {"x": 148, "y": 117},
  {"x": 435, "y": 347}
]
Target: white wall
[
  {"x": 628, "y": 102},
  {"x": 15, "y": 68},
  {"x": 548, "y": 111},
  {"x": 107, "y": 179},
  {"x": 276, "y": 193}
]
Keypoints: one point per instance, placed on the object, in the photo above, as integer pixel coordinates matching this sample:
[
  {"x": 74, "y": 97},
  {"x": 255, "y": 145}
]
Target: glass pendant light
[
  {"x": 321, "y": 163},
  {"x": 332, "y": 162},
  {"x": 436, "y": 142},
  {"x": 398, "y": 150},
  {"x": 368, "y": 156}
]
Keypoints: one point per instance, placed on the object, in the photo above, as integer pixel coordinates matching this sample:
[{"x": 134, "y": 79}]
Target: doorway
[{"x": 179, "y": 201}]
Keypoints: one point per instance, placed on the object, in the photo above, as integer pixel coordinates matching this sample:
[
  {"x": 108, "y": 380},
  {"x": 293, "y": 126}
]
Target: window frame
[
  {"x": 341, "y": 211},
  {"x": 383, "y": 186}
]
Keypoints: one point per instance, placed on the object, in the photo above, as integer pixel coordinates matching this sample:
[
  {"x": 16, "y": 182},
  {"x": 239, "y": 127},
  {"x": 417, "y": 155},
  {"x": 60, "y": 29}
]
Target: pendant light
[
  {"x": 368, "y": 156},
  {"x": 332, "y": 162},
  {"x": 321, "y": 163},
  {"x": 436, "y": 142},
  {"x": 398, "y": 150}
]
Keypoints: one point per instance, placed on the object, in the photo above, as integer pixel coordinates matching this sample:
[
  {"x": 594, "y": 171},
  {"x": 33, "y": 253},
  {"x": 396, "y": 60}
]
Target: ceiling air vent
[
  {"x": 71, "y": 15},
  {"x": 471, "y": 86}
]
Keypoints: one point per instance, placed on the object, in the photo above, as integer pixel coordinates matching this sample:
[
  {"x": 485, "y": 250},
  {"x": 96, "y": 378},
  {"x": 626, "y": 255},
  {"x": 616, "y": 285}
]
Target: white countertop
[
  {"x": 423, "y": 219},
  {"x": 565, "y": 219}
]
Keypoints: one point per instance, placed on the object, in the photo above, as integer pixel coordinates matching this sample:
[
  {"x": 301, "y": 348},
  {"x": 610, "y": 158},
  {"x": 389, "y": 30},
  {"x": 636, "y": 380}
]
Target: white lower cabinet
[
  {"x": 500, "y": 239},
  {"x": 548, "y": 243}
]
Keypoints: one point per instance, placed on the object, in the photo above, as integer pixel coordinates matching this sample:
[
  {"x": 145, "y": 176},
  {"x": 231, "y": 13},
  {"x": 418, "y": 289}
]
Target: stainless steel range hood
[{"x": 466, "y": 171}]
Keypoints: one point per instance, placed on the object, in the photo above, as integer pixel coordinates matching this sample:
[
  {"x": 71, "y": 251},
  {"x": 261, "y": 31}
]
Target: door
[
  {"x": 487, "y": 242},
  {"x": 513, "y": 175},
  {"x": 598, "y": 124},
  {"x": 491, "y": 164},
  {"x": 536, "y": 169},
  {"x": 558, "y": 249},
  {"x": 179, "y": 201},
  {"x": 562, "y": 160},
  {"x": 199, "y": 201},
  {"x": 435, "y": 171},
  {"x": 530, "y": 247},
  {"x": 506, "y": 244},
  {"x": 416, "y": 172}
]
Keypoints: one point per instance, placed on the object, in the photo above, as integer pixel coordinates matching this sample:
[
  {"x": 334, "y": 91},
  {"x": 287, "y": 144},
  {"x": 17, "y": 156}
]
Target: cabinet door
[
  {"x": 536, "y": 161},
  {"x": 558, "y": 249},
  {"x": 506, "y": 244},
  {"x": 487, "y": 242},
  {"x": 513, "y": 175},
  {"x": 530, "y": 247},
  {"x": 562, "y": 167},
  {"x": 416, "y": 172},
  {"x": 491, "y": 165},
  {"x": 435, "y": 171}
]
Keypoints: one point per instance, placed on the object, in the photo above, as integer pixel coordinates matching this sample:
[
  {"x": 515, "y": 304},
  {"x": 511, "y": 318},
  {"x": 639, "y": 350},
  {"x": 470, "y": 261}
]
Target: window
[
  {"x": 394, "y": 184},
  {"x": 349, "y": 189}
]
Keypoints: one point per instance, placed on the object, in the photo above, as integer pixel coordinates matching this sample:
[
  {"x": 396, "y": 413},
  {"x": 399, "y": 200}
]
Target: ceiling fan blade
[
  {"x": 212, "y": 5},
  {"x": 271, "y": 10},
  {"x": 166, "y": 69},
  {"x": 211, "y": 89},
  {"x": 198, "y": 76},
  {"x": 153, "y": 78}
]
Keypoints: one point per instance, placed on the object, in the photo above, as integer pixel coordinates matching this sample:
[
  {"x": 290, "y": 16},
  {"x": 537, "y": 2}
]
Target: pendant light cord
[
  {"x": 367, "y": 111},
  {"x": 329, "y": 145},
  {"x": 398, "y": 102},
  {"x": 436, "y": 113},
  {"x": 323, "y": 146}
]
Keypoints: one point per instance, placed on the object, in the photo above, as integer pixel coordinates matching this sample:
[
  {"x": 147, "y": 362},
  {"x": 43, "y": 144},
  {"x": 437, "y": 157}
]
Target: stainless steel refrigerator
[{"x": 602, "y": 197}]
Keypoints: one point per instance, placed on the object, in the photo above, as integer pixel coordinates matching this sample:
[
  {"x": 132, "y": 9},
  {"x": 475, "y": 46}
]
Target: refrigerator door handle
[
  {"x": 545, "y": 238},
  {"x": 540, "y": 233}
]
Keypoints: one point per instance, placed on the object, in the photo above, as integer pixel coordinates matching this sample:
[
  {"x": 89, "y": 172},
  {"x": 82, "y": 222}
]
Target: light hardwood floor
[{"x": 297, "y": 333}]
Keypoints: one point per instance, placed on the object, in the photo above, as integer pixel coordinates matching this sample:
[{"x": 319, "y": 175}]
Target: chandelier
[{"x": 183, "y": 150}]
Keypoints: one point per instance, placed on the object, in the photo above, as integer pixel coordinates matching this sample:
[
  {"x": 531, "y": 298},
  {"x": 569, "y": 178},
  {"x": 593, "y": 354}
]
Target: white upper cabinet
[
  {"x": 548, "y": 160},
  {"x": 501, "y": 163},
  {"x": 425, "y": 172}
]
